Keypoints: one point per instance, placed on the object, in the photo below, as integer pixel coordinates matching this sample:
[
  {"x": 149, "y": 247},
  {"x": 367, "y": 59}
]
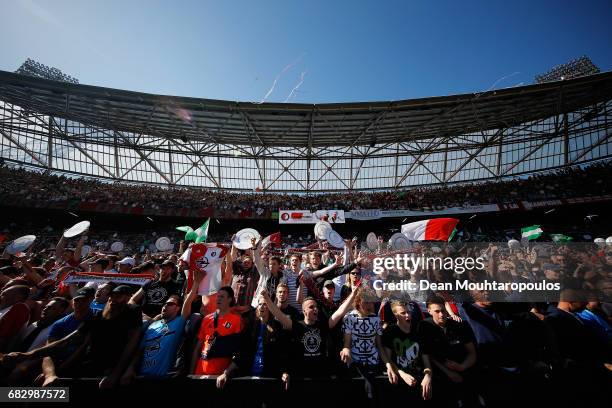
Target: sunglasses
[{"x": 172, "y": 303}]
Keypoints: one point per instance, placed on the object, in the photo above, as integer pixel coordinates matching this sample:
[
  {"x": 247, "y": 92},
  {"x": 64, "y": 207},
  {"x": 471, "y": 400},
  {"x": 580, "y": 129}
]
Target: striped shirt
[{"x": 293, "y": 281}]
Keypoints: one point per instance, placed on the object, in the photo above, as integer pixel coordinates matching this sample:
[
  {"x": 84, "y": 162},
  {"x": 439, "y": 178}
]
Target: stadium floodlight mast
[
  {"x": 582, "y": 66},
  {"x": 36, "y": 69}
]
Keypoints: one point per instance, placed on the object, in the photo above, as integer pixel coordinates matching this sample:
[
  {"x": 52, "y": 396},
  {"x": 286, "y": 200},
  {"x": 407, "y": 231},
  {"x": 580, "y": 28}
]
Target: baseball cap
[
  {"x": 85, "y": 293},
  {"x": 127, "y": 261},
  {"x": 168, "y": 262},
  {"x": 123, "y": 289},
  {"x": 329, "y": 283}
]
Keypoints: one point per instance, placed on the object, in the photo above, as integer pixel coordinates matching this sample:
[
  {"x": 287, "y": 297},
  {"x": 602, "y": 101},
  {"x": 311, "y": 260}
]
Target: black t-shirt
[
  {"x": 291, "y": 311},
  {"x": 311, "y": 351},
  {"x": 276, "y": 357},
  {"x": 406, "y": 349},
  {"x": 156, "y": 293},
  {"x": 448, "y": 342},
  {"x": 109, "y": 337}
]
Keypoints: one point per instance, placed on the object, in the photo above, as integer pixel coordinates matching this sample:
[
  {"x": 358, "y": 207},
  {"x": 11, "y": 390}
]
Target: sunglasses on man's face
[{"x": 171, "y": 303}]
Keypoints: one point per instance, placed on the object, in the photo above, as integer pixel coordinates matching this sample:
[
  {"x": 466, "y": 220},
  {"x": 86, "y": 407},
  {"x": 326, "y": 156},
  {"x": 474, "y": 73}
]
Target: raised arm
[
  {"x": 198, "y": 275},
  {"x": 349, "y": 267},
  {"x": 347, "y": 255},
  {"x": 276, "y": 312},
  {"x": 343, "y": 309},
  {"x": 314, "y": 291},
  {"x": 327, "y": 269},
  {"x": 59, "y": 248},
  {"x": 137, "y": 298},
  {"x": 228, "y": 271},
  {"x": 84, "y": 265},
  {"x": 233, "y": 252},
  {"x": 79, "y": 248},
  {"x": 30, "y": 274},
  {"x": 259, "y": 263},
  {"x": 300, "y": 293}
]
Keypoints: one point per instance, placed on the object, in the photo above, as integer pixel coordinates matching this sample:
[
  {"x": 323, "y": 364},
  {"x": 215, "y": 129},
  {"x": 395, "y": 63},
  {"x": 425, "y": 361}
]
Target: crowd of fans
[
  {"x": 293, "y": 316},
  {"x": 23, "y": 186}
]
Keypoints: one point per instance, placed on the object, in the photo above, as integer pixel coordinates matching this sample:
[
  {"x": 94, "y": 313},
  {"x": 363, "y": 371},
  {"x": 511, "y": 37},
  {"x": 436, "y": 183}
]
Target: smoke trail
[
  {"x": 287, "y": 67},
  {"x": 501, "y": 79},
  {"x": 295, "y": 88}
]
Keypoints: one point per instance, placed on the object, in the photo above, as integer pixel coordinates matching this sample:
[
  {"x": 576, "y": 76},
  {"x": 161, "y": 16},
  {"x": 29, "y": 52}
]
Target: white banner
[
  {"x": 307, "y": 217},
  {"x": 296, "y": 217},
  {"x": 121, "y": 278},
  {"x": 339, "y": 216},
  {"x": 331, "y": 216},
  {"x": 446, "y": 211},
  {"x": 528, "y": 205},
  {"x": 364, "y": 215}
]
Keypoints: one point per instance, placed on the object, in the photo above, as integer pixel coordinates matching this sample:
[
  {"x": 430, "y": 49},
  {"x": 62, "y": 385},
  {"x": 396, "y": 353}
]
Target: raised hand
[{"x": 199, "y": 275}]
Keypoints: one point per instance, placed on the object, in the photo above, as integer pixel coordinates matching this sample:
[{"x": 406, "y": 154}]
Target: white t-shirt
[{"x": 363, "y": 331}]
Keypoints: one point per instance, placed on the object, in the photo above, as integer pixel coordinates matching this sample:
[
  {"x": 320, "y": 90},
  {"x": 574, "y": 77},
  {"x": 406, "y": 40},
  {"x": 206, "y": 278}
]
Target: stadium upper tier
[
  {"x": 132, "y": 136},
  {"x": 301, "y": 125}
]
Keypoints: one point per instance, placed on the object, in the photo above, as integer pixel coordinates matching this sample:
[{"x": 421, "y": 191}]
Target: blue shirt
[
  {"x": 64, "y": 327},
  {"x": 97, "y": 306},
  {"x": 603, "y": 329},
  {"x": 258, "y": 362},
  {"x": 67, "y": 325},
  {"x": 160, "y": 343}
]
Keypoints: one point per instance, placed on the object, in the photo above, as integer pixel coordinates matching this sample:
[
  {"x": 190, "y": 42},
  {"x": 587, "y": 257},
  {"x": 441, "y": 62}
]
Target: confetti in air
[
  {"x": 295, "y": 88},
  {"x": 73, "y": 214},
  {"x": 287, "y": 68}
]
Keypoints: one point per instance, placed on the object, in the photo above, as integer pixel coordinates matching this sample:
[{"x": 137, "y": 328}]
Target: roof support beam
[
  {"x": 602, "y": 139},
  {"x": 146, "y": 159},
  {"x": 24, "y": 148}
]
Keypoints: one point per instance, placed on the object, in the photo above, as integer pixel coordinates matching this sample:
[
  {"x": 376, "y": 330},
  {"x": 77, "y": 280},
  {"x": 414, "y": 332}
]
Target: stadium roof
[{"x": 301, "y": 125}]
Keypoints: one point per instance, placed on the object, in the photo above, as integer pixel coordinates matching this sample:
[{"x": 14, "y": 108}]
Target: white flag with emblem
[{"x": 206, "y": 257}]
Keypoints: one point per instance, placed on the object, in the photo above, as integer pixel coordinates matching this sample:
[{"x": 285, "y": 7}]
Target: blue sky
[{"x": 345, "y": 50}]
